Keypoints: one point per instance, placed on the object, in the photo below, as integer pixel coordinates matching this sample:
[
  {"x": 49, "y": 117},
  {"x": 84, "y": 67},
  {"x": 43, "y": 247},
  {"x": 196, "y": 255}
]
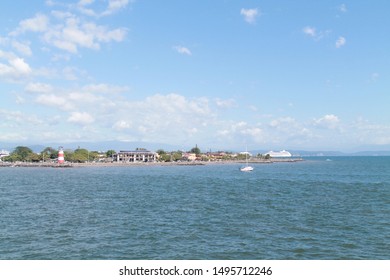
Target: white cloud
[
  {"x": 341, "y": 41},
  {"x": 250, "y": 15},
  {"x": 101, "y": 33},
  {"x": 17, "y": 118},
  {"x": 310, "y": 31},
  {"x": 170, "y": 117},
  {"x": 182, "y": 50},
  {"x": 343, "y": 8},
  {"x": 75, "y": 34},
  {"x": 49, "y": 3},
  {"x": 114, "y": 5},
  {"x": 104, "y": 88},
  {"x": 367, "y": 132},
  {"x": 328, "y": 121},
  {"x": 225, "y": 103},
  {"x": 73, "y": 73},
  {"x": 85, "y": 2},
  {"x": 314, "y": 33},
  {"x": 22, "y": 48},
  {"x": 122, "y": 125},
  {"x": 241, "y": 132},
  {"x": 68, "y": 32},
  {"x": 38, "y": 88},
  {"x": 39, "y": 23},
  {"x": 15, "y": 68},
  {"x": 81, "y": 118},
  {"x": 53, "y": 100},
  {"x": 88, "y": 35}
]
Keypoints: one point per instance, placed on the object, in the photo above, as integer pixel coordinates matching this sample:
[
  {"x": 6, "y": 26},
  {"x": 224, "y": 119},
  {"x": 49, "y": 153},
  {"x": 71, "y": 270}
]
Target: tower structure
[{"x": 61, "y": 158}]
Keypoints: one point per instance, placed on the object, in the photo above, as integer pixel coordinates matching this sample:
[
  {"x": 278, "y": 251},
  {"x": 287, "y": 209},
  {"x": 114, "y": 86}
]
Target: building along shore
[{"x": 156, "y": 163}]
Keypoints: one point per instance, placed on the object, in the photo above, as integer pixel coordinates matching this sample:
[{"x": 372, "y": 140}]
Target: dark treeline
[{"x": 25, "y": 154}]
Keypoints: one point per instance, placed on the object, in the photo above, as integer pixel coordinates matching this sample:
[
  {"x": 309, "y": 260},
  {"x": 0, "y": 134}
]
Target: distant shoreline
[{"x": 133, "y": 164}]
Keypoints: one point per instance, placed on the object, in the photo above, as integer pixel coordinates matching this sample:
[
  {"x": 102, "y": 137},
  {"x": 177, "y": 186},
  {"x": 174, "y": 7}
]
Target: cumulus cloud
[
  {"x": 164, "y": 117},
  {"x": 38, "y": 23},
  {"x": 85, "y": 2},
  {"x": 225, "y": 103},
  {"x": 38, "y": 88},
  {"x": 328, "y": 121},
  {"x": 81, "y": 118},
  {"x": 241, "y": 131},
  {"x": 22, "y": 48},
  {"x": 310, "y": 31},
  {"x": 250, "y": 15},
  {"x": 15, "y": 67},
  {"x": 104, "y": 88},
  {"x": 182, "y": 50},
  {"x": 371, "y": 133},
  {"x": 53, "y": 100},
  {"x": 113, "y": 6},
  {"x": 341, "y": 41},
  {"x": 149, "y": 119},
  {"x": 20, "y": 66},
  {"x": 317, "y": 35},
  {"x": 68, "y": 32},
  {"x": 75, "y": 34},
  {"x": 122, "y": 125}
]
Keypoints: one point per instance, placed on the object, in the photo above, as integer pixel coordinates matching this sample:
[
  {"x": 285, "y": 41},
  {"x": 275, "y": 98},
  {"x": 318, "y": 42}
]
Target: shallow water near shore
[{"x": 315, "y": 209}]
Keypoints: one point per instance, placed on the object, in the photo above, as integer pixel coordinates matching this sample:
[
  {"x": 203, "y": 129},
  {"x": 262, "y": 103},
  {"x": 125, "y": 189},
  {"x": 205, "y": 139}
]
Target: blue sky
[{"x": 221, "y": 74}]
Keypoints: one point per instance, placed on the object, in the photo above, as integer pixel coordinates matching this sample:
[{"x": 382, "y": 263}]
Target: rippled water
[{"x": 315, "y": 209}]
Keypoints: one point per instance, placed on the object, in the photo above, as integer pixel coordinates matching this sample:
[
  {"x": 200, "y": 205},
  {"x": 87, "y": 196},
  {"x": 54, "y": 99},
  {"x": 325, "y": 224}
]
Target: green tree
[
  {"x": 195, "y": 150},
  {"x": 68, "y": 155},
  {"x": 49, "y": 153},
  {"x": 21, "y": 153},
  {"x": 33, "y": 157},
  {"x": 177, "y": 156},
  {"x": 165, "y": 157},
  {"x": 93, "y": 155},
  {"x": 80, "y": 155},
  {"x": 110, "y": 153},
  {"x": 242, "y": 156}
]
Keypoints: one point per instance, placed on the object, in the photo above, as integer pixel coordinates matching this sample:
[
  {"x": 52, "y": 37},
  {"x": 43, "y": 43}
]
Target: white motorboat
[{"x": 246, "y": 168}]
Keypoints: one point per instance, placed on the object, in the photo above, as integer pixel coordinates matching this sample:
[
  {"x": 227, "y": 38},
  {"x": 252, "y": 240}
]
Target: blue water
[{"x": 315, "y": 209}]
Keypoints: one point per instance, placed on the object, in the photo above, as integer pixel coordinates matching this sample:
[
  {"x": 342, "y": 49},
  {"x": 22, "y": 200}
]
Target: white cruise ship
[{"x": 282, "y": 153}]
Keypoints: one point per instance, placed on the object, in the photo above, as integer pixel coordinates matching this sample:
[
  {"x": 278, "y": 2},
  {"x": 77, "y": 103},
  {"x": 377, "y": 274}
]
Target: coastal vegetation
[
  {"x": 25, "y": 154},
  {"x": 82, "y": 155}
]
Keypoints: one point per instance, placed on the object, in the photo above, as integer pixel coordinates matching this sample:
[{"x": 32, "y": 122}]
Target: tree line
[{"x": 25, "y": 154}]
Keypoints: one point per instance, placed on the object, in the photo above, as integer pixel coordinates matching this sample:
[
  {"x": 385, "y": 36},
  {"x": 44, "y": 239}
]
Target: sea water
[{"x": 315, "y": 209}]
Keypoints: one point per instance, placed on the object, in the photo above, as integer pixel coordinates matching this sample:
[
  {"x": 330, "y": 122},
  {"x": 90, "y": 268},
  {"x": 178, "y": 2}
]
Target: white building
[
  {"x": 4, "y": 153},
  {"x": 140, "y": 155},
  {"x": 280, "y": 154}
]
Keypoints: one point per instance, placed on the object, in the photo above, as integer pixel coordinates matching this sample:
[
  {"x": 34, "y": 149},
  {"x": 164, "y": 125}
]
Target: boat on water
[{"x": 247, "y": 167}]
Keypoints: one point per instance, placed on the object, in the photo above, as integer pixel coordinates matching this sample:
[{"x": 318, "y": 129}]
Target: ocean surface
[{"x": 315, "y": 209}]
